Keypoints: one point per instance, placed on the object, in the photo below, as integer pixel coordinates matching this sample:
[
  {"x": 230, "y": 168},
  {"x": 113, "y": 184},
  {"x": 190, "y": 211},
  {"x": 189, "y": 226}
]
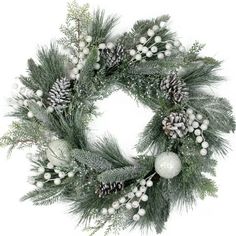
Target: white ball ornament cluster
[
  {"x": 198, "y": 125},
  {"x": 168, "y": 165}
]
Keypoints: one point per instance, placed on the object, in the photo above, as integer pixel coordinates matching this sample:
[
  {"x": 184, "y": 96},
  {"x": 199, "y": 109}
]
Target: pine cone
[
  {"x": 108, "y": 188},
  {"x": 113, "y": 57},
  {"x": 174, "y": 88},
  {"x": 175, "y": 125},
  {"x": 60, "y": 94}
]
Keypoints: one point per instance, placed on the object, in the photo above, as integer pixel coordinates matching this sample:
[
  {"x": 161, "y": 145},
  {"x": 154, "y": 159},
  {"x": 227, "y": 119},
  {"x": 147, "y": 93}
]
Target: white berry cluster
[
  {"x": 198, "y": 125},
  {"x": 132, "y": 199},
  {"x": 79, "y": 60},
  {"x": 50, "y": 173},
  {"x": 150, "y": 45}
]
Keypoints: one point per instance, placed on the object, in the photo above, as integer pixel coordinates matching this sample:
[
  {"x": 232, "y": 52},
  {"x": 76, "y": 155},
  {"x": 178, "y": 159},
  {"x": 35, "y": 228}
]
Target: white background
[{"x": 26, "y": 24}]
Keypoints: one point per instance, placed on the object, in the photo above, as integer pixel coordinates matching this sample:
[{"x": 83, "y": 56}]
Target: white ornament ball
[
  {"x": 128, "y": 206},
  {"x": 199, "y": 139},
  {"x": 154, "y": 49},
  {"x": 204, "y": 127},
  {"x": 57, "y": 181},
  {"x": 199, "y": 116},
  {"x": 203, "y": 152},
  {"x": 190, "y": 129},
  {"x": 135, "y": 189},
  {"x": 141, "y": 212},
  {"x": 168, "y": 165},
  {"x": 88, "y": 39},
  {"x": 30, "y": 114},
  {"x": 142, "y": 182},
  {"x": 61, "y": 175},
  {"x": 116, "y": 205},
  {"x": 143, "y": 189},
  {"x": 150, "y": 32},
  {"x": 131, "y": 195},
  {"x": 169, "y": 46},
  {"x": 149, "y": 183},
  {"x": 132, "y": 52},
  {"x": 205, "y": 144},
  {"x": 58, "y": 152},
  {"x": 135, "y": 204},
  {"x": 39, "y": 93},
  {"x": 39, "y": 184},
  {"x": 192, "y": 117},
  {"x": 138, "y": 57},
  {"x": 149, "y": 54},
  {"x": 157, "y": 39},
  {"x": 160, "y": 55},
  {"x": 136, "y": 217},
  {"x": 111, "y": 211},
  {"x": 104, "y": 211},
  {"x": 144, "y": 198},
  {"x": 143, "y": 40}
]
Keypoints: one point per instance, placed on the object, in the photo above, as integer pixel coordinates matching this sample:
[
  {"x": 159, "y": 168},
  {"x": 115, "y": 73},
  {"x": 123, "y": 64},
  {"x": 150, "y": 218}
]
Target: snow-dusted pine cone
[
  {"x": 175, "y": 125},
  {"x": 174, "y": 88},
  {"x": 108, "y": 188},
  {"x": 60, "y": 94},
  {"x": 113, "y": 57}
]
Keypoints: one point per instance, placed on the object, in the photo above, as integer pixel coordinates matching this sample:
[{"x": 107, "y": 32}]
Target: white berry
[
  {"x": 39, "y": 93},
  {"x": 150, "y": 32},
  {"x": 130, "y": 195},
  {"x": 111, "y": 211},
  {"x": 104, "y": 211},
  {"x": 50, "y": 165},
  {"x": 204, "y": 127},
  {"x": 81, "y": 55},
  {"x": 88, "y": 39},
  {"x": 140, "y": 47},
  {"x": 39, "y": 184},
  {"x": 144, "y": 198},
  {"x": 61, "y": 175},
  {"x": 144, "y": 49},
  {"x": 195, "y": 124},
  {"x": 192, "y": 117},
  {"x": 155, "y": 27},
  {"x": 203, "y": 152},
  {"x": 40, "y": 104},
  {"x": 47, "y": 176},
  {"x": 26, "y": 103},
  {"x": 50, "y": 109},
  {"x": 143, "y": 40},
  {"x": 86, "y": 51},
  {"x": 97, "y": 66},
  {"x": 154, "y": 49},
  {"x": 143, "y": 189},
  {"x": 79, "y": 66},
  {"x": 199, "y": 139},
  {"x": 138, "y": 194},
  {"x": 199, "y": 116},
  {"x": 141, "y": 212},
  {"x": 41, "y": 170},
  {"x": 102, "y": 46},
  {"x": 30, "y": 114},
  {"x": 176, "y": 43},
  {"x": 135, "y": 204},
  {"x": 71, "y": 174},
  {"x": 205, "y": 144},
  {"x": 169, "y": 46},
  {"x": 82, "y": 44},
  {"x": 128, "y": 206},
  {"x": 135, "y": 189},
  {"x": 157, "y": 39},
  {"x": 132, "y": 52},
  {"x": 160, "y": 55},
  {"x": 190, "y": 129},
  {"x": 168, "y": 53},
  {"x": 149, "y": 183},
  {"x": 162, "y": 24},
  {"x": 138, "y": 57},
  {"x": 142, "y": 182},
  {"x": 57, "y": 181},
  {"x": 189, "y": 111},
  {"x": 206, "y": 122},
  {"x": 149, "y": 54},
  {"x": 136, "y": 217},
  {"x": 115, "y": 205},
  {"x": 122, "y": 200},
  {"x": 75, "y": 60},
  {"x": 197, "y": 132}
]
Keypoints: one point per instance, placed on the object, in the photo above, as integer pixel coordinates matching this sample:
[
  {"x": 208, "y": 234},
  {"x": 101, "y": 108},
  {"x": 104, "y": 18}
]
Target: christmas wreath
[{"x": 56, "y": 101}]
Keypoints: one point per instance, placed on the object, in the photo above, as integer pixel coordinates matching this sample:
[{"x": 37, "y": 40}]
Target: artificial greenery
[{"x": 85, "y": 36}]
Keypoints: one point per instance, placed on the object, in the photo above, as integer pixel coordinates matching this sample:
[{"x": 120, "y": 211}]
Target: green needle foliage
[{"x": 93, "y": 164}]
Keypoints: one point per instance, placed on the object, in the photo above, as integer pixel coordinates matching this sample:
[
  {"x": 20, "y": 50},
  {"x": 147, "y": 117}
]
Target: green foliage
[
  {"x": 77, "y": 20},
  {"x": 101, "y": 26}
]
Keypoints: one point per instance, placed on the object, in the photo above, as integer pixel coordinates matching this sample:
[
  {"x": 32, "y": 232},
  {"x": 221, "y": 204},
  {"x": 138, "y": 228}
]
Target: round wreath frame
[{"x": 56, "y": 103}]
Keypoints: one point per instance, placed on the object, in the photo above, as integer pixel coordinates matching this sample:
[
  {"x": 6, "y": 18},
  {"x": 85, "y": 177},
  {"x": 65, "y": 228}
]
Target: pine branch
[{"x": 91, "y": 160}]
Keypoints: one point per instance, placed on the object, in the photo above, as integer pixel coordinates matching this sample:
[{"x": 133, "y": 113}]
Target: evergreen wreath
[{"x": 57, "y": 99}]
